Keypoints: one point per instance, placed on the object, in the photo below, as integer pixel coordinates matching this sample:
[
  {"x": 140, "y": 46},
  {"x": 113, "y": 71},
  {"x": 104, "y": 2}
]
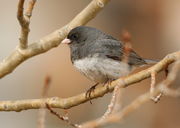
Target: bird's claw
[{"x": 90, "y": 90}]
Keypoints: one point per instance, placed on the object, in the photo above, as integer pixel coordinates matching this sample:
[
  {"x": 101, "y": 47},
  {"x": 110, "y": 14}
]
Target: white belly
[{"x": 101, "y": 70}]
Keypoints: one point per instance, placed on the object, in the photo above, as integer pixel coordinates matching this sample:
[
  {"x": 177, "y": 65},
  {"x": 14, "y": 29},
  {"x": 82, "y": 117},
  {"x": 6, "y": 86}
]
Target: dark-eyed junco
[{"x": 99, "y": 56}]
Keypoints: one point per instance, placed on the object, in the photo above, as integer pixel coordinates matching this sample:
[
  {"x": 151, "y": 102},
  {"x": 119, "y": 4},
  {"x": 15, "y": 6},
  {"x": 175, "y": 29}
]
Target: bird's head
[{"x": 81, "y": 35}]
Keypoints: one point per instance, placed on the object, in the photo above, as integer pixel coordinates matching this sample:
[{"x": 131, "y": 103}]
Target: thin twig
[
  {"x": 118, "y": 103},
  {"x": 114, "y": 104},
  {"x": 152, "y": 88},
  {"x": 20, "y": 11},
  {"x": 63, "y": 118},
  {"x": 29, "y": 10},
  {"x": 126, "y": 38},
  {"x": 24, "y": 21},
  {"x": 42, "y": 111},
  {"x": 153, "y": 81}
]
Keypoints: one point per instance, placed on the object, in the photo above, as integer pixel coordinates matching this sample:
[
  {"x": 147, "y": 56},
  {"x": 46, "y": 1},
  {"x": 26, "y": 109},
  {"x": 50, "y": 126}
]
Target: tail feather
[{"x": 149, "y": 61}]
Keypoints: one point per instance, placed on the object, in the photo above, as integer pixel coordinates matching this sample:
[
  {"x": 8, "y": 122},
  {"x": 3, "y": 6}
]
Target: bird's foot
[
  {"x": 108, "y": 83},
  {"x": 90, "y": 90}
]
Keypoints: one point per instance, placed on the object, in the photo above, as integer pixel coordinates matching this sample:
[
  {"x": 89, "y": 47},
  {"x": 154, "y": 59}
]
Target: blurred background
[{"x": 154, "y": 26}]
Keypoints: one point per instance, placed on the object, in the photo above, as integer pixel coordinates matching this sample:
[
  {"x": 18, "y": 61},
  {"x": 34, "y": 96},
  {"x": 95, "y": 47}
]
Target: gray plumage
[{"x": 99, "y": 56}]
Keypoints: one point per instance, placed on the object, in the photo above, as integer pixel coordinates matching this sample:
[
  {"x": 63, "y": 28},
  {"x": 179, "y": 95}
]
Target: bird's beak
[{"x": 66, "y": 41}]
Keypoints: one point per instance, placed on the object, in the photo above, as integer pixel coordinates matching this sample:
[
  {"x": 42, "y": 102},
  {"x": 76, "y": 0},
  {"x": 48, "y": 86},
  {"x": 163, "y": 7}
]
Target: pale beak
[{"x": 66, "y": 41}]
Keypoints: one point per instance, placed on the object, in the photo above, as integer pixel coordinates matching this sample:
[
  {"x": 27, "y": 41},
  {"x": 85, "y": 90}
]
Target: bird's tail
[{"x": 149, "y": 61}]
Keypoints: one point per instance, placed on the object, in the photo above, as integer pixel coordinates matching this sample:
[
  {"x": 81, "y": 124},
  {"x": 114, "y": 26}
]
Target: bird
[{"x": 99, "y": 56}]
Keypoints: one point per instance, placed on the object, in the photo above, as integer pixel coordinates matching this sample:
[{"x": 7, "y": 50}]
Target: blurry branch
[
  {"x": 152, "y": 88},
  {"x": 126, "y": 38},
  {"x": 115, "y": 103},
  {"x": 162, "y": 87},
  {"x": 66, "y": 103},
  {"x": 24, "y": 21},
  {"x": 63, "y": 118},
  {"x": 42, "y": 111},
  {"x": 24, "y": 52}
]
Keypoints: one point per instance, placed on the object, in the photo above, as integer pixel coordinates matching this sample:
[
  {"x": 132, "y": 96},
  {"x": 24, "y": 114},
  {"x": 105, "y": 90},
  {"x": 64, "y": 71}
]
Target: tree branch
[
  {"x": 24, "y": 21},
  {"x": 63, "y": 118},
  {"x": 139, "y": 101},
  {"x": 50, "y": 41},
  {"x": 66, "y": 103},
  {"x": 42, "y": 111}
]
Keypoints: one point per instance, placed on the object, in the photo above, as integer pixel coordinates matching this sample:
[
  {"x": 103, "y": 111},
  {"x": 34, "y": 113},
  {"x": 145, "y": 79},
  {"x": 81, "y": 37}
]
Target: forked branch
[
  {"x": 50, "y": 41},
  {"x": 163, "y": 87},
  {"x": 24, "y": 21}
]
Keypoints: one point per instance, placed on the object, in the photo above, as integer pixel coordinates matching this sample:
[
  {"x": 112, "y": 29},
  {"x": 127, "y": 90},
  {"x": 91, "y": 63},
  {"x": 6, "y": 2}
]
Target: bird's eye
[{"x": 74, "y": 36}]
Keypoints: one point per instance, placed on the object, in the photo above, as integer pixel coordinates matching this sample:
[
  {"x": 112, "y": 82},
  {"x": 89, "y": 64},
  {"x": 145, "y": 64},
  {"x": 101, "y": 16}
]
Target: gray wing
[{"x": 113, "y": 49}]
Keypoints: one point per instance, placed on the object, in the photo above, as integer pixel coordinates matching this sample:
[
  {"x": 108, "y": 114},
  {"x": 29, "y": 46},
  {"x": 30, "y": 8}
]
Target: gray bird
[{"x": 99, "y": 56}]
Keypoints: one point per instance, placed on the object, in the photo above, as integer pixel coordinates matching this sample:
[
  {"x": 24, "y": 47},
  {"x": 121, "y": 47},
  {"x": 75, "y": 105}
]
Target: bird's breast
[{"x": 100, "y": 69}]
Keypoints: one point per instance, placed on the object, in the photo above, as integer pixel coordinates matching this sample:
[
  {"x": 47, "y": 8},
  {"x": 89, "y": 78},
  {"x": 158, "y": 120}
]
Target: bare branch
[
  {"x": 65, "y": 103},
  {"x": 50, "y": 41},
  {"x": 169, "y": 80},
  {"x": 153, "y": 81},
  {"x": 114, "y": 105},
  {"x": 172, "y": 75},
  {"x": 24, "y": 22},
  {"x": 42, "y": 111},
  {"x": 152, "y": 88},
  {"x": 118, "y": 116},
  {"x": 20, "y": 10},
  {"x": 63, "y": 118},
  {"x": 28, "y": 13},
  {"x": 126, "y": 38}
]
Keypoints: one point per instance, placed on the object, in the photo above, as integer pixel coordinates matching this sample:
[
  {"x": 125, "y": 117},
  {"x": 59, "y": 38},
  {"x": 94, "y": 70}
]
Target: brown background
[{"x": 155, "y": 28}]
